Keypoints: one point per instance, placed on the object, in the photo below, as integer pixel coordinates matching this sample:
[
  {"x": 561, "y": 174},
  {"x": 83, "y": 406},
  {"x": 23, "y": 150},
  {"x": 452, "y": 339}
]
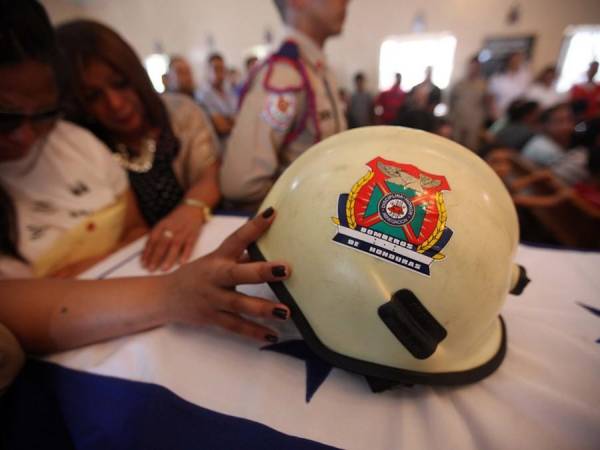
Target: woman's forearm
[
  {"x": 206, "y": 188},
  {"x": 54, "y": 315},
  {"x": 50, "y": 315}
]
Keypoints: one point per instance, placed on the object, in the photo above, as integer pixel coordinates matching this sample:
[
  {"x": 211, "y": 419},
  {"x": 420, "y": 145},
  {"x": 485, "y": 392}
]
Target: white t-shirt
[
  {"x": 545, "y": 96},
  {"x": 570, "y": 166},
  {"x": 224, "y": 104},
  {"x": 507, "y": 87},
  {"x": 65, "y": 178}
]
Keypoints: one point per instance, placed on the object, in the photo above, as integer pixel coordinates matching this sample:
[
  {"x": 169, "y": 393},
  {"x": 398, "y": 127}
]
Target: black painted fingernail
[
  {"x": 278, "y": 271},
  {"x": 268, "y": 212},
  {"x": 280, "y": 313},
  {"x": 271, "y": 338}
]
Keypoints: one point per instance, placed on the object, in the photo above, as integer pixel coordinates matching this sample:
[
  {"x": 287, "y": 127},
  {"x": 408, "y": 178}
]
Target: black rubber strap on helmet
[
  {"x": 416, "y": 329},
  {"x": 521, "y": 282},
  {"x": 378, "y": 385}
]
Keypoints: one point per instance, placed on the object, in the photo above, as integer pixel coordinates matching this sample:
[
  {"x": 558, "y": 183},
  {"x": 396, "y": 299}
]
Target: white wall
[
  {"x": 183, "y": 26},
  {"x": 60, "y": 10}
]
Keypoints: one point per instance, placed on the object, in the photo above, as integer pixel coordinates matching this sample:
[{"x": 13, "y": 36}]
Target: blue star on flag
[
  {"x": 317, "y": 370},
  {"x": 594, "y": 311}
]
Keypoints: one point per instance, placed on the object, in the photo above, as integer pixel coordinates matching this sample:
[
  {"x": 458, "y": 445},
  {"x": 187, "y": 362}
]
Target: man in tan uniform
[
  {"x": 289, "y": 103},
  {"x": 469, "y": 106}
]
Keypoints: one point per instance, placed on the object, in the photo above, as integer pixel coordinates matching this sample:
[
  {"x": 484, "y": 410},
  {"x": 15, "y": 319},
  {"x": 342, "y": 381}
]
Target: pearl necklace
[{"x": 141, "y": 163}]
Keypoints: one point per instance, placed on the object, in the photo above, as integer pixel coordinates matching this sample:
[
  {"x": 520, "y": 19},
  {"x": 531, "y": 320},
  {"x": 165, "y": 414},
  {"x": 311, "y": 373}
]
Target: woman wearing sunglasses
[
  {"x": 165, "y": 143},
  {"x": 66, "y": 201}
]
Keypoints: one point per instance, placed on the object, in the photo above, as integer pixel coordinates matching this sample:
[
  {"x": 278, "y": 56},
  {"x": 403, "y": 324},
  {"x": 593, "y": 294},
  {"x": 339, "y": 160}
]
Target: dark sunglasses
[{"x": 10, "y": 121}]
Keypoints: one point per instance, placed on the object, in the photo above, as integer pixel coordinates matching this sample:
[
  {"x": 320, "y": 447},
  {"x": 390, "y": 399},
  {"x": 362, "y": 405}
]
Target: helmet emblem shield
[{"x": 395, "y": 212}]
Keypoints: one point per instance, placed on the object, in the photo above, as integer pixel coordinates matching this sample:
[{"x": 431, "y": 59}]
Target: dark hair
[
  {"x": 507, "y": 58},
  {"x": 544, "y": 72},
  {"x": 594, "y": 160},
  {"x": 215, "y": 55},
  {"x": 249, "y": 60},
  {"x": 547, "y": 114},
  {"x": 521, "y": 108},
  {"x": 25, "y": 33},
  {"x": 415, "y": 118},
  {"x": 173, "y": 59},
  {"x": 359, "y": 76},
  {"x": 9, "y": 235},
  {"x": 439, "y": 122},
  {"x": 589, "y": 132},
  {"x": 84, "y": 40}
]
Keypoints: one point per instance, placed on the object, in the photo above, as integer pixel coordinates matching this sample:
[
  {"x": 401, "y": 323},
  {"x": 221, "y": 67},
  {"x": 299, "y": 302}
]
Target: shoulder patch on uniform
[
  {"x": 283, "y": 74},
  {"x": 285, "y": 70},
  {"x": 279, "y": 110}
]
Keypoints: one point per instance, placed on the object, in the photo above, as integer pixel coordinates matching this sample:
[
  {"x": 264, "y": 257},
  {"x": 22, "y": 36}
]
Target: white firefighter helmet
[{"x": 402, "y": 245}]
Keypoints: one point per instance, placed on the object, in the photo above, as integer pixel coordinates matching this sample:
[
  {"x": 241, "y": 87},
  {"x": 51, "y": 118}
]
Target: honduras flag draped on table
[{"x": 181, "y": 387}]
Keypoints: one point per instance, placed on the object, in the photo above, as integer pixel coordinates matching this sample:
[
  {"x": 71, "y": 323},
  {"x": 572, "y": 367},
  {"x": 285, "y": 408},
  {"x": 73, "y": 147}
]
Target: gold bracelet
[{"x": 199, "y": 204}]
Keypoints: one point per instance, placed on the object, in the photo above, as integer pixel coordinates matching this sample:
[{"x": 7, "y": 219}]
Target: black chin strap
[
  {"x": 522, "y": 281},
  {"x": 378, "y": 385},
  {"x": 412, "y": 324}
]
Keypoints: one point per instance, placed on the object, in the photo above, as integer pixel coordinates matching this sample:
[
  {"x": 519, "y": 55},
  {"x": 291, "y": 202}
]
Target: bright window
[
  {"x": 411, "y": 54},
  {"x": 260, "y": 51},
  {"x": 156, "y": 66},
  {"x": 581, "y": 46}
]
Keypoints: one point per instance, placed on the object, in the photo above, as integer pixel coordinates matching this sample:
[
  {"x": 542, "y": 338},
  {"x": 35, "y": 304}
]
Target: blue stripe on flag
[{"x": 53, "y": 407}]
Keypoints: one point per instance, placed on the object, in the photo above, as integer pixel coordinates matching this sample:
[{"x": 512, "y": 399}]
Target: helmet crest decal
[{"x": 395, "y": 212}]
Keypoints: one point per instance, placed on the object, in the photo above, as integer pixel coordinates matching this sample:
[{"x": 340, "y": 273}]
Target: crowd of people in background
[
  {"x": 478, "y": 108},
  {"x": 510, "y": 115}
]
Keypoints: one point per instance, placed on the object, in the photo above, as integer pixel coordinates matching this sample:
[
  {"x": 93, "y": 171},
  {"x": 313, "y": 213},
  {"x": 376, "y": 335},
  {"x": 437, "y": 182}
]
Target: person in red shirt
[
  {"x": 389, "y": 102},
  {"x": 588, "y": 92}
]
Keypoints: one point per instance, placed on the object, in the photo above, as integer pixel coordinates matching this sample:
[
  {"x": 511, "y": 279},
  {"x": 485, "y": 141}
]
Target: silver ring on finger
[{"x": 168, "y": 234}]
